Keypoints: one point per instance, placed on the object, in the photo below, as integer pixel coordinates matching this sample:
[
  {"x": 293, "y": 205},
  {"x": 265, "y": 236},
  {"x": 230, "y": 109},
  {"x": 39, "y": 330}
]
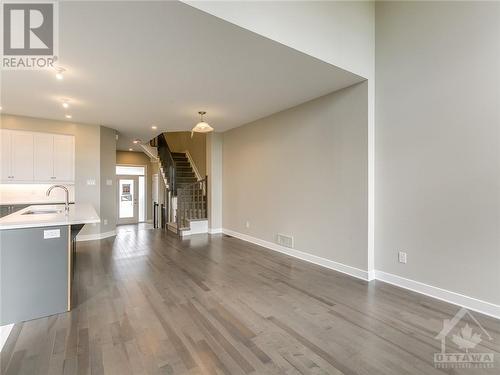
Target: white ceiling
[{"x": 132, "y": 64}]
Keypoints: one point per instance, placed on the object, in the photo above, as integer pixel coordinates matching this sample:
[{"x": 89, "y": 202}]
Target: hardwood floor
[{"x": 148, "y": 302}]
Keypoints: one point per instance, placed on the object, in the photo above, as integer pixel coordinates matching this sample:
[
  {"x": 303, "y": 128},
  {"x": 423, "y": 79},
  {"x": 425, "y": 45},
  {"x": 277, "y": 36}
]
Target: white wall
[
  {"x": 438, "y": 144},
  {"x": 338, "y": 32},
  {"x": 303, "y": 172},
  {"x": 214, "y": 172}
]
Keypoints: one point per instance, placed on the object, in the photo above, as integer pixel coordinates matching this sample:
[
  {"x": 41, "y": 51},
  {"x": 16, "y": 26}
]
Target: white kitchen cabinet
[
  {"x": 5, "y": 154},
  {"x": 54, "y": 157},
  {"x": 64, "y": 157},
  {"x": 44, "y": 157},
  {"x": 21, "y": 156},
  {"x": 17, "y": 156},
  {"x": 37, "y": 157}
]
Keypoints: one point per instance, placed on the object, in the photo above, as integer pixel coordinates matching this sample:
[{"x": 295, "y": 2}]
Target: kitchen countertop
[
  {"x": 32, "y": 203},
  {"x": 79, "y": 213}
]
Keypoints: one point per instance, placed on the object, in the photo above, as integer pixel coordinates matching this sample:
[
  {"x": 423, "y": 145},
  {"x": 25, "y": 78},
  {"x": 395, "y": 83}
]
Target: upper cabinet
[
  {"x": 64, "y": 158},
  {"x": 17, "y": 156},
  {"x": 37, "y": 157}
]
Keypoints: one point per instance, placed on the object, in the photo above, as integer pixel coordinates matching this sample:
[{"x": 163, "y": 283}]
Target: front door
[{"x": 128, "y": 209}]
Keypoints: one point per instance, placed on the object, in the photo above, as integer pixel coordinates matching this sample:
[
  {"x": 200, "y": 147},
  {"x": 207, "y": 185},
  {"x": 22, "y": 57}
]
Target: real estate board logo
[
  {"x": 463, "y": 333},
  {"x": 30, "y": 34}
]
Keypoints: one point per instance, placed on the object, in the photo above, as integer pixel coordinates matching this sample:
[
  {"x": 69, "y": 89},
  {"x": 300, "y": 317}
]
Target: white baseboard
[
  {"x": 97, "y": 236},
  {"x": 371, "y": 275},
  {"x": 215, "y": 230},
  {"x": 349, "y": 270},
  {"x": 4, "y": 334},
  {"x": 470, "y": 303},
  {"x": 196, "y": 227}
]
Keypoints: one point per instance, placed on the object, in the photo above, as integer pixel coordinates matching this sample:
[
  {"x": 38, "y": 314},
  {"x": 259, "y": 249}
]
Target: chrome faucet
[{"x": 66, "y": 208}]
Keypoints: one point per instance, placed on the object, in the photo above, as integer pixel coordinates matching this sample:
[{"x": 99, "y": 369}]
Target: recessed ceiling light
[
  {"x": 136, "y": 141},
  {"x": 65, "y": 105},
  {"x": 154, "y": 127},
  {"x": 130, "y": 149},
  {"x": 60, "y": 73},
  {"x": 0, "y": 108},
  {"x": 68, "y": 116}
]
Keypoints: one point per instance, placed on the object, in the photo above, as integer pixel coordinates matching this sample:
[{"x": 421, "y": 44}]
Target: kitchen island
[{"x": 37, "y": 258}]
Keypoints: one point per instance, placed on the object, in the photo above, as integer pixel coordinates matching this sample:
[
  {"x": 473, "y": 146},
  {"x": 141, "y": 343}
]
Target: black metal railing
[
  {"x": 167, "y": 161},
  {"x": 156, "y": 222},
  {"x": 191, "y": 202},
  {"x": 191, "y": 198}
]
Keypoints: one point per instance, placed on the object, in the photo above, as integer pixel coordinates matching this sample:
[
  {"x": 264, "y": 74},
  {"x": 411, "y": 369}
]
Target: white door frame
[{"x": 135, "y": 198}]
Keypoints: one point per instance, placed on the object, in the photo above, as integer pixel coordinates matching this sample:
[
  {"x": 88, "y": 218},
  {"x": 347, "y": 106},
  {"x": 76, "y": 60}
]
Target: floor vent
[{"x": 284, "y": 240}]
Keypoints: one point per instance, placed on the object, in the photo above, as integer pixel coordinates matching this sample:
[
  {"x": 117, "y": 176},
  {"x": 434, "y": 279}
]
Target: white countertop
[
  {"x": 78, "y": 214},
  {"x": 22, "y": 203}
]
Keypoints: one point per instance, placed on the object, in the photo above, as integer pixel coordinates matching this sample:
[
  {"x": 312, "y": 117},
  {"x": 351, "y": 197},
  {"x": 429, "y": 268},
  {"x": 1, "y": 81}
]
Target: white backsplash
[{"x": 33, "y": 193}]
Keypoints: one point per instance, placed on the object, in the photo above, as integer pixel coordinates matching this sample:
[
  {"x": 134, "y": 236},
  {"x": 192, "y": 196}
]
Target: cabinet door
[
  {"x": 64, "y": 157},
  {"x": 5, "y": 155},
  {"x": 44, "y": 157},
  {"x": 21, "y": 156}
]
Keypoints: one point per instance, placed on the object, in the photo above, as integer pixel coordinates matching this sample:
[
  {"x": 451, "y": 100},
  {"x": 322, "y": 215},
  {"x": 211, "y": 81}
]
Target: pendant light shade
[{"x": 202, "y": 126}]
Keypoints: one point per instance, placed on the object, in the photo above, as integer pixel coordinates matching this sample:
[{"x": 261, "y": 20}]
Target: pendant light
[{"x": 202, "y": 126}]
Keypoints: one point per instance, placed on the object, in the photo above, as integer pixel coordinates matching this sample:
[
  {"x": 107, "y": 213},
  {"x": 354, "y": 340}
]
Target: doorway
[
  {"x": 131, "y": 194},
  {"x": 128, "y": 208}
]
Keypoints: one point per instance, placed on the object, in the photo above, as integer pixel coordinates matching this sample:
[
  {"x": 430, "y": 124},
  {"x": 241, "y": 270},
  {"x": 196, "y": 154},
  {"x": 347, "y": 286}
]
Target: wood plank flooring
[{"x": 148, "y": 302}]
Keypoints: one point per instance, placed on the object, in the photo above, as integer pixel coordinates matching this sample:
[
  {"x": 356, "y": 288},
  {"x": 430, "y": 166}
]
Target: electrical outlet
[
  {"x": 402, "y": 257},
  {"x": 51, "y": 233},
  {"x": 247, "y": 224}
]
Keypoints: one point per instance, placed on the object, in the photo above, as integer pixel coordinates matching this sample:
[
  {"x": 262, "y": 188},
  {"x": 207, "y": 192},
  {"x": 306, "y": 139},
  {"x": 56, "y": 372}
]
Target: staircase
[{"x": 186, "y": 196}]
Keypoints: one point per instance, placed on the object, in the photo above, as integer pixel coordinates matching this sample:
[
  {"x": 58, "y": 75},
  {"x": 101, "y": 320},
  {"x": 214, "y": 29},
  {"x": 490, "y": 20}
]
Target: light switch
[
  {"x": 90, "y": 182},
  {"x": 51, "y": 233}
]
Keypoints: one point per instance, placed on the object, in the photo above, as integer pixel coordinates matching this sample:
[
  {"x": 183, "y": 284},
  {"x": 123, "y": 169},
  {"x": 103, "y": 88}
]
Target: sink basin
[{"x": 42, "y": 211}]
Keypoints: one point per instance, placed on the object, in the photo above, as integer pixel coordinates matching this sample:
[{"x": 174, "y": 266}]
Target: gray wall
[
  {"x": 108, "y": 174},
  {"x": 303, "y": 172},
  {"x": 341, "y": 33},
  {"x": 438, "y": 144}
]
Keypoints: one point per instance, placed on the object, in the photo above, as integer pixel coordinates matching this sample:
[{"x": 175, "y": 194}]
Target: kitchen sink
[{"x": 42, "y": 211}]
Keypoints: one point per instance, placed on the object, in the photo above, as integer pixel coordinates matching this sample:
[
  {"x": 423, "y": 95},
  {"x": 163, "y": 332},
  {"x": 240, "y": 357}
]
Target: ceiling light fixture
[
  {"x": 154, "y": 127},
  {"x": 130, "y": 149},
  {"x": 65, "y": 104},
  {"x": 68, "y": 116},
  {"x": 202, "y": 126},
  {"x": 136, "y": 141},
  {"x": 60, "y": 73}
]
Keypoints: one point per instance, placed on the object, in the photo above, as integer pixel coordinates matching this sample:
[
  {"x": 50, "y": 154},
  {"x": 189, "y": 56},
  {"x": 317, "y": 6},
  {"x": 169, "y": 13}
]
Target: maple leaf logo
[{"x": 466, "y": 340}]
